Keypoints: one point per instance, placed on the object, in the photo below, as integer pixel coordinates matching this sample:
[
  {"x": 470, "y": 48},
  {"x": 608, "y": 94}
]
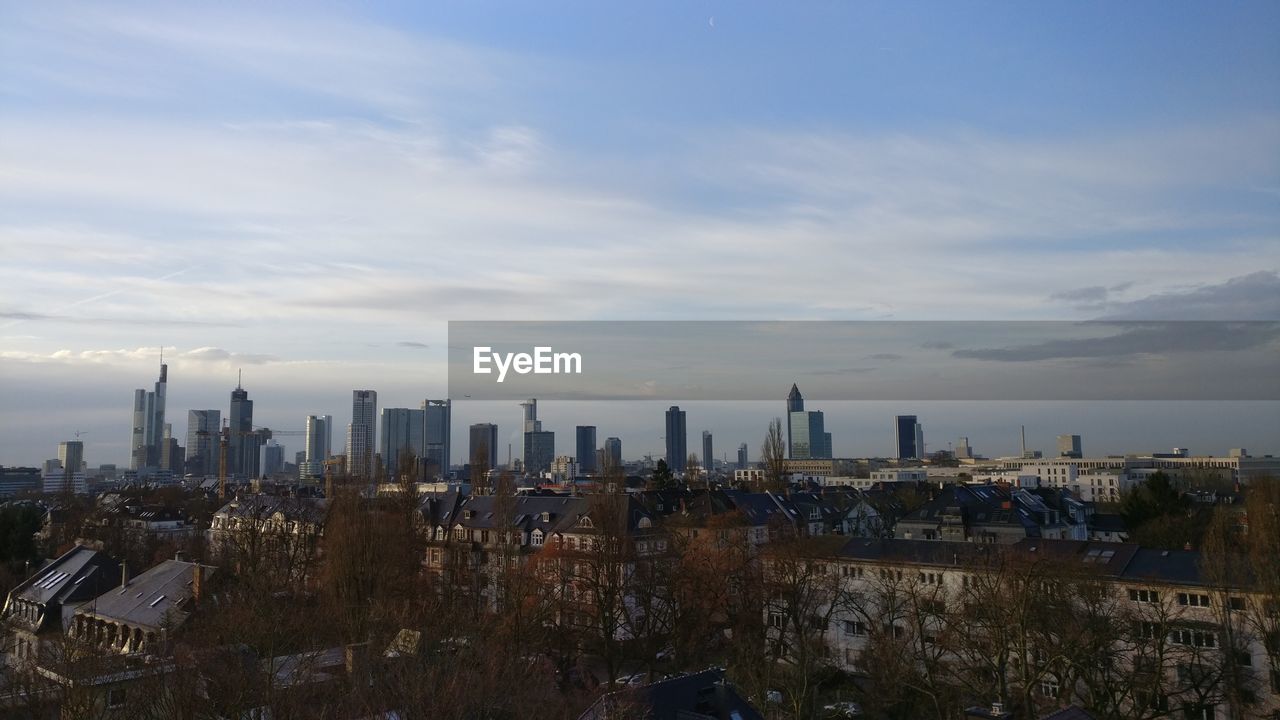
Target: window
[
  {"x": 855, "y": 627},
  {"x": 1194, "y": 638},
  {"x": 1049, "y": 687},
  {"x": 1145, "y": 630},
  {"x": 1243, "y": 658},
  {"x": 1199, "y": 712},
  {"x": 1193, "y": 600},
  {"x": 1144, "y": 596},
  {"x": 776, "y": 620},
  {"x": 115, "y": 698},
  {"x": 1235, "y": 603}
]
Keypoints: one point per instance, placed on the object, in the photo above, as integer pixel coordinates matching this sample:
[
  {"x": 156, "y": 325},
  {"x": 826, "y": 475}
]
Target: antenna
[
  {"x": 239, "y": 376},
  {"x": 1024, "y": 440}
]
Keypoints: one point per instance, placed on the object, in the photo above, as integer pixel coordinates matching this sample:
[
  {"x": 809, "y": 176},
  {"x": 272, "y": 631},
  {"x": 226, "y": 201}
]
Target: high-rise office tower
[
  {"x": 795, "y": 404},
  {"x": 1069, "y": 446},
  {"x": 708, "y": 452},
  {"x": 612, "y": 452},
  {"x": 148, "y": 423},
  {"x": 586, "y": 448},
  {"x": 677, "y": 439},
  {"x": 531, "y": 422},
  {"x": 360, "y": 433},
  {"x": 272, "y": 458},
  {"x": 807, "y": 435},
  {"x": 539, "y": 451},
  {"x": 909, "y": 435},
  {"x": 202, "y": 441},
  {"x": 71, "y": 455},
  {"x": 484, "y": 445},
  {"x": 742, "y": 456},
  {"x": 438, "y": 435},
  {"x": 962, "y": 450},
  {"x": 171, "y": 452},
  {"x": 319, "y": 439},
  {"x": 244, "y": 445},
  {"x": 534, "y": 447},
  {"x": 403, "y": 435}
]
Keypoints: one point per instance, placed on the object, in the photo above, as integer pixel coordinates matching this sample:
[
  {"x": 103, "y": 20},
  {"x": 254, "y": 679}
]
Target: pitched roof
[
  {"x": 79, "y": 574},
  {"x": 697, "y": 695},
  {"x": 153, "y": 599}
]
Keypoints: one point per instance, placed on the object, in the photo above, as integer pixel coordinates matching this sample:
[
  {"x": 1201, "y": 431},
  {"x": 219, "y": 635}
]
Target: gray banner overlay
[{"x": 871, "y": 360}]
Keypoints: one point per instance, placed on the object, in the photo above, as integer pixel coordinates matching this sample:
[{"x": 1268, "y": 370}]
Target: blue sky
[{"x": 299, "y": 189}]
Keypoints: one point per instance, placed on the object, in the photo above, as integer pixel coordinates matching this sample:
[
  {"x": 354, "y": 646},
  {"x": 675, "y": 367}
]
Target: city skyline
[{"x": 276, "y": 188}]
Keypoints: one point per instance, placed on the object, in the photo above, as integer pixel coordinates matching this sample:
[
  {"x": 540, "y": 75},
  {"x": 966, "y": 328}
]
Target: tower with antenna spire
[{"x": 148, "y": 423}]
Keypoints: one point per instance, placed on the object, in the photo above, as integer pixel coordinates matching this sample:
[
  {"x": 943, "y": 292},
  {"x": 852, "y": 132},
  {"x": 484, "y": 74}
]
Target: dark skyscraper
[
  {"x": 586, "y": 448},
  {"x": 708, "y": 452},
  {"x": 612, "y": 452},
  {"x": 677, "y": 439},
  {"x": 273, "y": 458},
  {"x": 909, "y": 436},
  {"x": 403, "y": 436},
  {"x": 795, "y": 404},
  {"x": 244, "y": 443},
  {"x": 539, "y": 451},
  {"x": 437, "y": 433},
  {"x": 484, "y": 442},
  {"x": 202, "y": 441},
  {"x": 742, "y": 456}
]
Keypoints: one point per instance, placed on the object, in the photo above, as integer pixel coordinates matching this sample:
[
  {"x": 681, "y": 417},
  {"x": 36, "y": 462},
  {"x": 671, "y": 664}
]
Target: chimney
[
  {"x": 195, "y": 582},
  {"x": 356, "y": 656}
]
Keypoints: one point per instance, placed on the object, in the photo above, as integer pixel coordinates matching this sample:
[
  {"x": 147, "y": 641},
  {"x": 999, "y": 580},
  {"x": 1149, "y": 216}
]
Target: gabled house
[{"x": 38, "y": 609}]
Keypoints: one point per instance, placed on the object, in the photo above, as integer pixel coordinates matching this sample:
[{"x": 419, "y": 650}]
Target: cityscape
[{"x": 678, "y": 360}]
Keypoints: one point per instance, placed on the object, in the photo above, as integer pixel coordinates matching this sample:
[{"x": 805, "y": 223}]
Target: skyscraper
[
  {"x": 612, "y": 453},
  {"x": 795, "y": 404},
  {"x": 272, "y": 458},
  {"x": 202, "y": 441},
  {"x": 586, "y": 448},
  {"x": 910, "y": 437},
  {"x": 531, "y": 422},
  {"x": 244, "y": 445},
  {"x": 148, "y": 423},
  {"x": 534, "y": 448},
  {"x": 1069, "y": 446},
  {"x": 319, "y": 439},
  {"x": 484, "y": 444},
  {"x": 539, "y": 451},
  {"x": 807, "y": 435},
  {"x": 403, "y": 437},
  {"x": 677, "y": 439},
  {"x": 437, "y": 431},
  {"x": 708, "y": 452},
  {"x": 71, "y": 455},
  {"x": 742, "y": 456},
  {"x": 360, "y": 433}
]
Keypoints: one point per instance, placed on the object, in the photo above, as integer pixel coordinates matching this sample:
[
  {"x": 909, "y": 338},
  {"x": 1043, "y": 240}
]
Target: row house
[
  {"x": 1191, "y": 644},
  {"x": 141, "y": 615}
]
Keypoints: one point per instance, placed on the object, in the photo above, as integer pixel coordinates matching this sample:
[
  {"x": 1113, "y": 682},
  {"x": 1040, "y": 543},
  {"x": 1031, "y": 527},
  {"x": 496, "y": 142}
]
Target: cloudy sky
[{"x": 310, "y": 192}]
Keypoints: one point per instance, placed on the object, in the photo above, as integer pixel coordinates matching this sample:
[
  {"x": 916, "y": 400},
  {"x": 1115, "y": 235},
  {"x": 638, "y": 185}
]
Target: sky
[{"x": 310, "y": 192}]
